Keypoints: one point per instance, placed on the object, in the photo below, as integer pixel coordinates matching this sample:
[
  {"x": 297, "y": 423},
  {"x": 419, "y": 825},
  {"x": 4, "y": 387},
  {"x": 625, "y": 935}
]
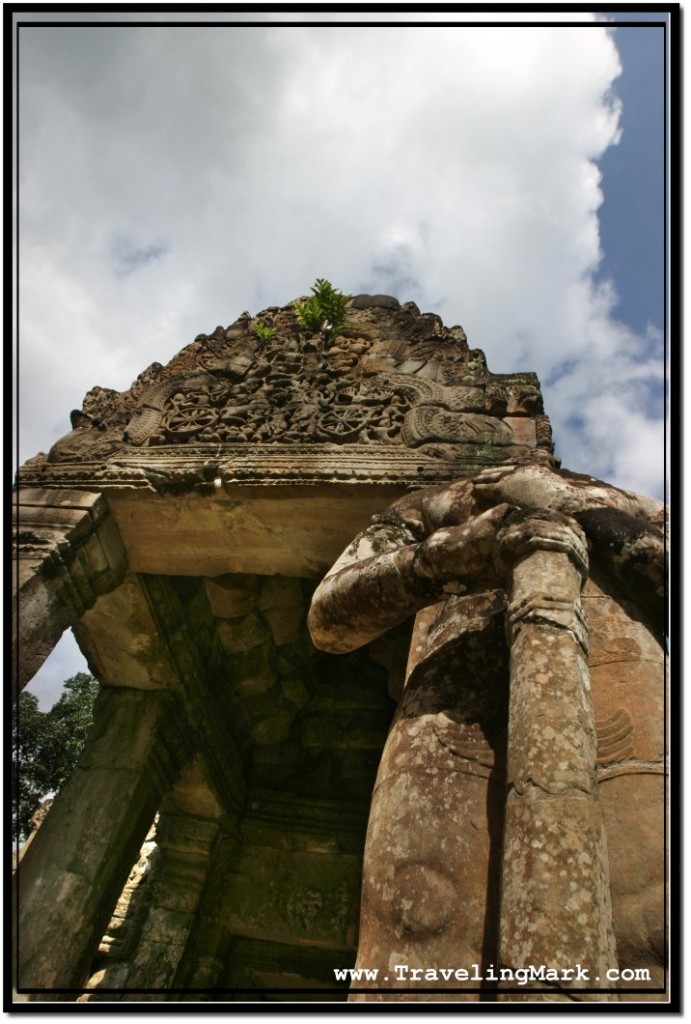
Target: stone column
[
  {"x": 67, "y": 551},
  {"x": 207, "y": 958},
  {"x": 77, "y": 865},
  {"x": 185, "y": 845},
  {"x": 555, "y": 902}
]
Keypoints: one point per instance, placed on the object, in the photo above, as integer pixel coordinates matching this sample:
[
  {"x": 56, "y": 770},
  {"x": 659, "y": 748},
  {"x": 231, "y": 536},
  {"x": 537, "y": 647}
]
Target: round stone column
[{"x": 556, "y": 915}]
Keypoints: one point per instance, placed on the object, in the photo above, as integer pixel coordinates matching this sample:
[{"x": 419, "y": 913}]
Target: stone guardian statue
[{"x": 517, "y": 821}]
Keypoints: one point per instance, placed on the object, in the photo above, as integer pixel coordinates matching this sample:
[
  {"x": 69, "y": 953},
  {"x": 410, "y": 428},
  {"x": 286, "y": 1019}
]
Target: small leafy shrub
[
  {"x": 264, "y": 332},
  {"x": 325, "y": 310}
]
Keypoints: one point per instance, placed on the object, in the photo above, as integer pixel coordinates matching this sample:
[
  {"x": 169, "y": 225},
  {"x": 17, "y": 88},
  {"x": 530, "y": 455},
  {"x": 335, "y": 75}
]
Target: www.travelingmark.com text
[{"x": 517, "y": 975}]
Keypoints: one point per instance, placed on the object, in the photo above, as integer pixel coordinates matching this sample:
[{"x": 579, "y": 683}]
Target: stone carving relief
[
  {"x": 615, "y": 738},
  {"x": 394, "y": 377}
]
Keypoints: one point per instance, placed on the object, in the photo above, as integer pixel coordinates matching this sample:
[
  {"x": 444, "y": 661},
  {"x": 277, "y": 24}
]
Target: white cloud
[{"x": 454, "y": 164}]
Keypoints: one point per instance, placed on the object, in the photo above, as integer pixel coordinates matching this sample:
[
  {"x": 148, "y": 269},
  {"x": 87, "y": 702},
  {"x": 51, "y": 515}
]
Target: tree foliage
[
  {"x": 325, "y": 310},
  {"x": 46, "y": 744}
]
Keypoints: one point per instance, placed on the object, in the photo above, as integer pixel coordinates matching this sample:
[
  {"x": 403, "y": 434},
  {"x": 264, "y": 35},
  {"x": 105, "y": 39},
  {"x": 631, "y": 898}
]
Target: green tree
[{"x": 46, "y": 744}]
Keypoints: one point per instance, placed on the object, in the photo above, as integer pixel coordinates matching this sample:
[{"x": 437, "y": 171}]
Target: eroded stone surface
[
  {"x": 558, "y": 900},
  {"x": 77, "y": 865},
  {"x": 233, "y": 477},
  {"x": 392, "y": 376},
  {"x": 68, "y": 552}
]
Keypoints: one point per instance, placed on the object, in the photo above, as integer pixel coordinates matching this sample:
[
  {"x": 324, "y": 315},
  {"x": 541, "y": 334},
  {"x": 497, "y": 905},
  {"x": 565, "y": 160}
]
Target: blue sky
[
  {"x": 632, "y": 215},
  {"x": 509, "y": 178}
]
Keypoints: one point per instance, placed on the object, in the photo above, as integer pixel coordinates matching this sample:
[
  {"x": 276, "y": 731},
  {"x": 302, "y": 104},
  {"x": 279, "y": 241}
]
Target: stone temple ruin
[{"x": 239, "y": 826}]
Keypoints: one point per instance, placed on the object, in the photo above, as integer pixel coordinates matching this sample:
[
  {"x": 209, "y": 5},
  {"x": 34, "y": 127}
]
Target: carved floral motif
[{"x": 393, "y": 377}]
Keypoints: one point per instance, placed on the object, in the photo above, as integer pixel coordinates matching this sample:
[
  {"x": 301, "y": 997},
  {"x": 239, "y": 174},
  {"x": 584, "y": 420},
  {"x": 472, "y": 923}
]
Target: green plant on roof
[
  {"x": 263, "y": 331},
  {"x": 325, "y": 310}
]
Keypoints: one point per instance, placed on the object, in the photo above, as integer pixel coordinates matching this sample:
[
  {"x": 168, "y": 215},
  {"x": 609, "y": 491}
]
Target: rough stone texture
[
  {"x": 391, "y": 376},
  {"x": 437, "y": 811},
  {"x": 185, "y": 844},
  {"x": 556, "y": 903},
  {"x": 68, "y": 551},
  {"x": 76, "y": 867},
  {"x": 304, "y": 898},
  {"x": 37, "y": 819},
  {"x": 316, "y": 728},
  {"x": 289, "y": 531},
  {"x": 121, "y": 641},
  {"x": 144, "y": 944},
  {"x": 627, "y": 669},
  {"x": 556, "y": 890},
  {"x": 226, "y": 484},
  {"x": 111, "y": 966}
]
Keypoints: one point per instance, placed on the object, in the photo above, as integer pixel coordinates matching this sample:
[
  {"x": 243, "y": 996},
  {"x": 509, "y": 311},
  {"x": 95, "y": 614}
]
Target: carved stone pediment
[{"x": 393, "y": 377}]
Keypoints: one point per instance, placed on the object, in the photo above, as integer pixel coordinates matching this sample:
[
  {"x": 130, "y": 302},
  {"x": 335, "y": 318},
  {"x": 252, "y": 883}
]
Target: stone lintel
[
  {"x": 289, "y": 531},
  {"x": 314, "y": 825},
  {"x": 204, "y": 468},
  {"x": 296, "y": 896}
]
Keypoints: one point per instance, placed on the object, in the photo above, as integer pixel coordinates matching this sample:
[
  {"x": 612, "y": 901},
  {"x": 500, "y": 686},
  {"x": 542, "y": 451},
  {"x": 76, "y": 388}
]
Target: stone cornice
[{"x": 208, "y": 467}]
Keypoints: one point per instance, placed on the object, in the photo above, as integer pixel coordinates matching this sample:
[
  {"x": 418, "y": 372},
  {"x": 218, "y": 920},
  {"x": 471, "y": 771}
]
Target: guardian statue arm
[
  {"x": 626, "y": 532},
  {"x": 397, "y": 566}
]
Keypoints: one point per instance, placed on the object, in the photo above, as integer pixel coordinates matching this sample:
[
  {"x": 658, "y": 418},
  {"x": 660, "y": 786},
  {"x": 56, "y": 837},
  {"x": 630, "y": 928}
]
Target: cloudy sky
[{"x": 508, "y": 177}]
